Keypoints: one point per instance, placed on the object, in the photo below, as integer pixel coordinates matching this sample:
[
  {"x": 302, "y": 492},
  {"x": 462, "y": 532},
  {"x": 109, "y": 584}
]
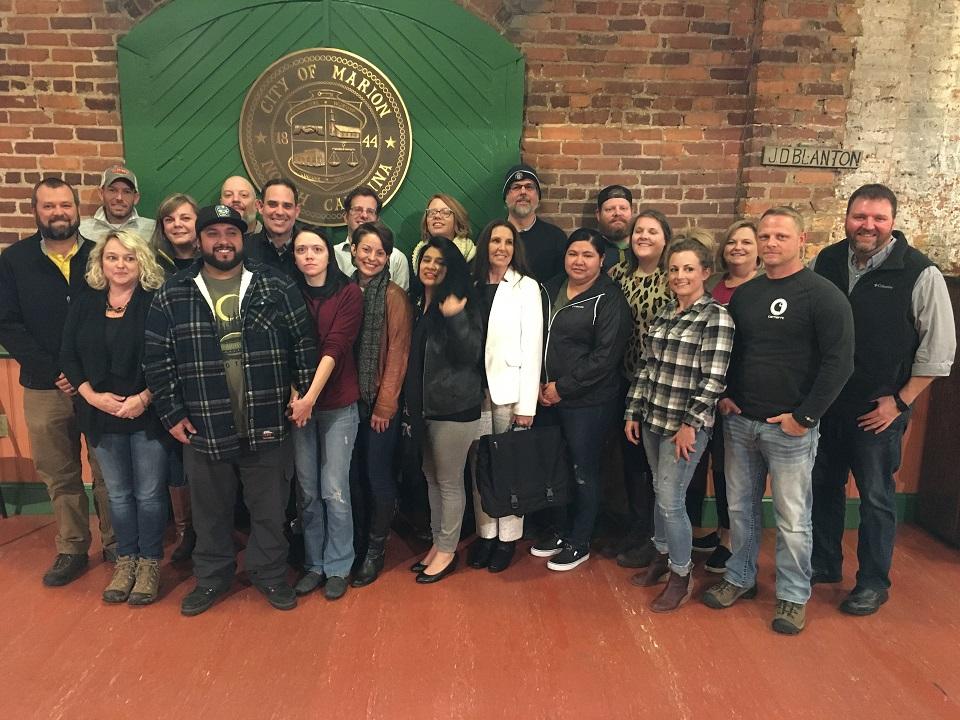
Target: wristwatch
[
  {"x": 805, "y": 420},
  {"x": 901, "y": 405}
]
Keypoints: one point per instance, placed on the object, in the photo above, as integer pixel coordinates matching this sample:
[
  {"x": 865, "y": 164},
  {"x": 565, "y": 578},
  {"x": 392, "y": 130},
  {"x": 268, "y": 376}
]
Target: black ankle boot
[
  {"x": 372, "y": 563},
  {"x": 501, "y": 556}
]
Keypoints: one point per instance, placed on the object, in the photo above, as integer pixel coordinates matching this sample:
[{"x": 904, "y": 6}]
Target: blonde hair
[
  {"x": 785, "y": 211},
  {"x": 737, "y": 225},
  {"x": 461, "y": 219},
  {"x": 151, "y": 274}
]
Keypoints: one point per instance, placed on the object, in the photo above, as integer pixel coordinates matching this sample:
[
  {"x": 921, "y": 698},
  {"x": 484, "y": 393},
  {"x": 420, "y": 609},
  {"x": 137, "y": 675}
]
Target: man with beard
[
  {"x": 273, "y": 245},
  {"x": 119, "y": 195},
  {"x": 38, "y": 276},
  {"x": 362, "y": 205},
  {"x": 239, "y": 193},
  {"x": 224, "y": 343},
  {"x": 905, "y": 338},
  {"x": 543, "y": 242},
  {"x": 614, "y": 210}
]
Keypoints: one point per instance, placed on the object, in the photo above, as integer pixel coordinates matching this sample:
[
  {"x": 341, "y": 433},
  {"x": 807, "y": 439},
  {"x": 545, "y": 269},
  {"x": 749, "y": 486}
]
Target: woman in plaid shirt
[{"x": 671, "y": 406}]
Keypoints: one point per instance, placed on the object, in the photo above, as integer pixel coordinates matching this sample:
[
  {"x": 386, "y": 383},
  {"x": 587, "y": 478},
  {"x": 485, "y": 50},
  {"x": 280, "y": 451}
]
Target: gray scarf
[{"x": 368, "y": 342}]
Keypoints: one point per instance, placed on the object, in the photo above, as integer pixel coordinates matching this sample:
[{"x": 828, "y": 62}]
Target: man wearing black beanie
[{"x": 542, "y": 241}]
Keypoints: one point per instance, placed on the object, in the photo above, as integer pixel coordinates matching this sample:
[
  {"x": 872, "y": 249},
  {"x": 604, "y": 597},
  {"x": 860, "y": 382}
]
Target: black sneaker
[
  {"x": 65, "y": 569},
  {"x": 547, "y": 548},
  {"x": 281, "y": 596},
  {"x": 707, "y": 543},
  {"x": 201, "y": 599},
  {"x": 717, "y": 562},
  {"x": 568, "y": 558}
]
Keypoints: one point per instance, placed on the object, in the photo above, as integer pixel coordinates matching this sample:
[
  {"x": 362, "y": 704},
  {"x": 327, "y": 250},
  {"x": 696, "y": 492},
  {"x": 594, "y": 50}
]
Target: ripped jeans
[
  {"x": 322, "y": 451},
  {"x": 585, "y": 429}
]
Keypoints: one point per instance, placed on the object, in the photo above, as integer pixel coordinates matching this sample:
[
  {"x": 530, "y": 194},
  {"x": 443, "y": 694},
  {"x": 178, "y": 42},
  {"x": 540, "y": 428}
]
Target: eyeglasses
[
  {"x": 445, "y": 213},
  {"x": 360, "y": 211}
]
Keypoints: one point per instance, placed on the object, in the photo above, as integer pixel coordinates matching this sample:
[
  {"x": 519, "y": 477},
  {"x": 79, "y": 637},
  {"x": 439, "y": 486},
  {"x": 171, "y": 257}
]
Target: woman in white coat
[{"x": 513, "y": 344}]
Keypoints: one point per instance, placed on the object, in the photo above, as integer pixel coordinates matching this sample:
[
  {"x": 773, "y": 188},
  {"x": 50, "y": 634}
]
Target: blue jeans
[
  {"x": 322, "y": 451},
  {"x": 672, "y": 532},
  {"x": 135, "y": 473},
  {"x": 374, "y": 479},
  {"x": 754, "y": 448},
  {"x": 873, "y": 458}
]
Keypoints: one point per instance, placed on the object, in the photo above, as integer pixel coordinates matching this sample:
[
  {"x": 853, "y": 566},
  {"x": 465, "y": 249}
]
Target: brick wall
[{"x": 675, "y": 99}]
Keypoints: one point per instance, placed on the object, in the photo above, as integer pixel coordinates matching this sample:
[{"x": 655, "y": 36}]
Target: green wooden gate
[{"x": 185, "y": 69}]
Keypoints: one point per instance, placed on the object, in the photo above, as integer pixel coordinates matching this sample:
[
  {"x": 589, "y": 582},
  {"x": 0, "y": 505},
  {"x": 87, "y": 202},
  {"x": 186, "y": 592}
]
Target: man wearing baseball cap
[
  {"x": 614, "y": 210},
  {"x": 119, "y": 195},
  {"x": 542, "y": 241},
  {"x": 224, "y": 343}
]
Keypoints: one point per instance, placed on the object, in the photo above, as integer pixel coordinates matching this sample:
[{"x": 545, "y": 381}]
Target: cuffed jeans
[
  {"x": 754, "y": 448},
  {"x": 213, "y": 496},
  {"x": 873, "y": 458},
  {"x": 444, "y": 457},
  {"x": 55, "y": 442},
  {"x": 673, "y": 532},
  {"x": 135, "y": 472},
  {"x": 322, "y": 451},
  {"x": 510, "y": 527}
]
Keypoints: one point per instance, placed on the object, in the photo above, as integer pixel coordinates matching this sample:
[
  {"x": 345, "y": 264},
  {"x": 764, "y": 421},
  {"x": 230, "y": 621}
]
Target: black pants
[
  {"x": 213, "y": 492},
  {"x": 697, "y": 490}
]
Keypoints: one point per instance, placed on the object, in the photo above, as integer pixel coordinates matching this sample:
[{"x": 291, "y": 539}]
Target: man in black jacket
[
  {"x": 273, "y": 245},
  {"x": 905, "y": 338},
  {"x": 38, "y": 277}
]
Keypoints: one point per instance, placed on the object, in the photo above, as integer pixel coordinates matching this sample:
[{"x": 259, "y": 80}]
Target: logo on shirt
[{"x": 777, "y": 308}]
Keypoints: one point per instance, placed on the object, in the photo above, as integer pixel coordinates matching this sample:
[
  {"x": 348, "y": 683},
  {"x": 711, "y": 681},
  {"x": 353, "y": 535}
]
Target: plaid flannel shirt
[
  {"x": 184, "y": 368},
  {"x": 683, "y": 367}
]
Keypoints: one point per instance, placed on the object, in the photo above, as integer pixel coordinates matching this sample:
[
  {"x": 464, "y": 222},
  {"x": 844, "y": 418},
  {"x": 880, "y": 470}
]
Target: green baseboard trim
[
  {"x": 32, "y": 498},
  {"x": 906, "y": 511}
]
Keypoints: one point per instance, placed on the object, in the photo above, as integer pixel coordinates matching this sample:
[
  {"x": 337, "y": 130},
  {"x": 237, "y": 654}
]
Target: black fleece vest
[{"x": 885, "y": 329}]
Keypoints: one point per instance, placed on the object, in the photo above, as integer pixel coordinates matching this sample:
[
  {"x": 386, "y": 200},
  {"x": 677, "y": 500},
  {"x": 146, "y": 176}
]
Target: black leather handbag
[{"x": 522, "y": 471}]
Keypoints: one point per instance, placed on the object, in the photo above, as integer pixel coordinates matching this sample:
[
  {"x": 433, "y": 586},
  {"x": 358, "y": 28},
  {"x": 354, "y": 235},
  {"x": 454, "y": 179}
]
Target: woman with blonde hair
[
  {"x": 446, "y": 217},
  {"x": 101, "y": 356}
]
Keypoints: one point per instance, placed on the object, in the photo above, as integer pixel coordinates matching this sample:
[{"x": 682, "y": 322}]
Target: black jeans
[
  {"x": 697, "y": 490},
  {"x": 373, "y": 481},
  {"x": 213, "y": 492},
  {"x": 584, "y": 429},
  {"x": 873, "y": 459}
]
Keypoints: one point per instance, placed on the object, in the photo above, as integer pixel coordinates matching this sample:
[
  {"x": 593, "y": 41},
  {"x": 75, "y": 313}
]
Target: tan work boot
[
  {"x": 676, "y": 593},
  {"x": 725, "y": 593},
  {"x": 124, "y": 576},
  {"x": 147, "y": 587},
  {"x": 790, "y": 617}
]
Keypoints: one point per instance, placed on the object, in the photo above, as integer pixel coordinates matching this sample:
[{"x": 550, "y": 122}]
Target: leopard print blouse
[{"x": 645, "y": 295}]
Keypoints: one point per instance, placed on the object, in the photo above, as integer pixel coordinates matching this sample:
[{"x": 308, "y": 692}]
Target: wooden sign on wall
[{"x": 811, "y": 157}]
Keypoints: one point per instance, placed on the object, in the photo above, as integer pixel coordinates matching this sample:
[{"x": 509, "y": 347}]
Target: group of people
[{"x": 231, "y": 347}]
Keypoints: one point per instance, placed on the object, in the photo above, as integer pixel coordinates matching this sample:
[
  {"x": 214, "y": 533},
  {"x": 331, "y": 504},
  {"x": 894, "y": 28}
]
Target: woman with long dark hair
[
  {"x": 382, "y": 350},
  {"x": 325, "y": 419},
  {"x": 443, "y": 392}
]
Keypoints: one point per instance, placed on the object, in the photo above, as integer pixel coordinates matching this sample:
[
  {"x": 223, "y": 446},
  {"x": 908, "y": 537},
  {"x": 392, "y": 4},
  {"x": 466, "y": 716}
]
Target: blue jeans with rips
[
  {"x": 754, "y": 448},
  {"x": 322, "y": 452},
  {"x": 672, "y": 531},
  {"x": 135, "y": 473}
]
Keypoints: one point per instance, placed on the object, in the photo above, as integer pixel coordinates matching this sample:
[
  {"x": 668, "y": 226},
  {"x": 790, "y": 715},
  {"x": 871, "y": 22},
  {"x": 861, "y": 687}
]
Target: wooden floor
[{"x": 525, "y": 644}]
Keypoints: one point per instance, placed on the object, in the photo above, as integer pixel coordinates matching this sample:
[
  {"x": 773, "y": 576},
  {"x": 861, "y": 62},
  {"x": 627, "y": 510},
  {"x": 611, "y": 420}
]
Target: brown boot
[
  {"x": 124, "y": 576},
  {"x": 676, "y": 593},
  {"x": 147, "y": 587},
  {"x": 186, "y": 537},
  {"x": 655, "y": 573}
]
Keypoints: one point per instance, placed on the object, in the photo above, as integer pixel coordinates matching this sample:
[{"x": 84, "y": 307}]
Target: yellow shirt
[{"x": 61, "y": 261}]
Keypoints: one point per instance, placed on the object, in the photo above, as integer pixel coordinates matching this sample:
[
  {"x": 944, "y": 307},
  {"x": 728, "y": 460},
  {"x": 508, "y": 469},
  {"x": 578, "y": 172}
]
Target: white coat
[{"x": 514, "y": 348}]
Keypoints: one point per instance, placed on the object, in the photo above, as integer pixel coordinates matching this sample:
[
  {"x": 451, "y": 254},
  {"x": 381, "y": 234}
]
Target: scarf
[{"x": 368, "y": 341}]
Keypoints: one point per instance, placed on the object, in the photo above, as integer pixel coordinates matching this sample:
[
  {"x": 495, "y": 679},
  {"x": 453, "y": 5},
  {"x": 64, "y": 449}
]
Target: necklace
[{"x": 116, "y": 309}]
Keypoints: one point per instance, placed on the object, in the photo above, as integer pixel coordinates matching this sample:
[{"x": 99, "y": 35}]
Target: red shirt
[{"x": 337, "y": 323}]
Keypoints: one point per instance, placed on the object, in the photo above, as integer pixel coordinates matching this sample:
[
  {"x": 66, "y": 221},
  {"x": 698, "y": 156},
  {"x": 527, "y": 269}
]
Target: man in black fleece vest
[
  {"x": 905, "y": 337},
  {"x": 792, "y": 353}
]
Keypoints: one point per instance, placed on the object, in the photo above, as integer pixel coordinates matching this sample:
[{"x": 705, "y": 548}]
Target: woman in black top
[
  {"x": 101, "y": 356},
  {"x": 443, "y": 391}
]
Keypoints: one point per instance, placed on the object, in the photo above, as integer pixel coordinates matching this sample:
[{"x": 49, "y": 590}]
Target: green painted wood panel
[{"x": 185, "y": 69}]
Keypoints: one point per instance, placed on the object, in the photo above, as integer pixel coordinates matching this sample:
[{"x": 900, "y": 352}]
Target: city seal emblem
[{"x": 330, "y": 121}]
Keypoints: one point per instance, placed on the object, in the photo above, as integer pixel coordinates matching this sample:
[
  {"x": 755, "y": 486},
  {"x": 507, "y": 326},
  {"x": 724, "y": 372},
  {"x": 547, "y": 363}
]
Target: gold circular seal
[{"x": 330, "y": 121}]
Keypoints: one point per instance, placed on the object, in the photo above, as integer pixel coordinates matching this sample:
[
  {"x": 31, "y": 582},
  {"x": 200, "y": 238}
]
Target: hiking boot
[
  {"x": 637, "y": 556},
  {"x": 547, "y": 548},
  {"x": 717, "y": 562},
  {"x": 568, "y": 558},
  {"x": 147, "y": 587},
  {"x": 676, "y": 593},
  {"x": 725, "y": 593},
  {"x": 655, "y": 573},
  {"x": 65, "y": 569},
  {"x": 124, "y": 577},
  {"x": 789, "y": 618}
]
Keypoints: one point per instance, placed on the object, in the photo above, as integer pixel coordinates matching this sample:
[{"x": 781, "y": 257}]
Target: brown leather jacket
[{"x": 394, "y": 351}]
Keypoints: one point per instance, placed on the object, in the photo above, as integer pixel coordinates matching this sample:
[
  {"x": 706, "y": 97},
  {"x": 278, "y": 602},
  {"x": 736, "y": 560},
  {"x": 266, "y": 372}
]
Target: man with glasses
[
  {"x": 543, "y": 242},
  {"x": 363, "y": 205}
]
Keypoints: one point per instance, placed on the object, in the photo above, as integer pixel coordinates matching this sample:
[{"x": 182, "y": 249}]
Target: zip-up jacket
[
  {"x": 34, "y": 299},
  {"x": 183, "y": 361},
  {"x": 585, "y": 342}
]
